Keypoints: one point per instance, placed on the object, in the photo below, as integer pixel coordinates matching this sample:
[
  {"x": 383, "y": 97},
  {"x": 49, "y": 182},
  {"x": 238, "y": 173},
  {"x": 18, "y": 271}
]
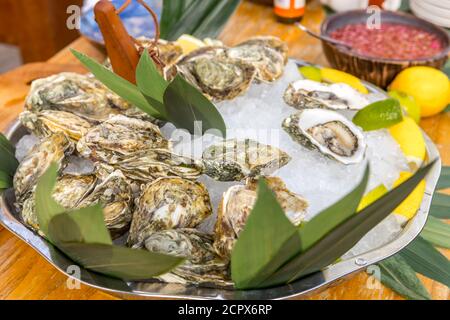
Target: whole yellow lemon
[{"x": 430, "y": 87}]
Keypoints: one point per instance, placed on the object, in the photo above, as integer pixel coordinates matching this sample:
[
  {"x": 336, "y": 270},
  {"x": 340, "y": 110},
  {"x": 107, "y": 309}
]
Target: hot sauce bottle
[{"x": 289, "y": 11}]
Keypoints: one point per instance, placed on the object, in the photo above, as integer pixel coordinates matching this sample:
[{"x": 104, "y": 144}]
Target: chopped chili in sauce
[{"x": 391, "y": 41}]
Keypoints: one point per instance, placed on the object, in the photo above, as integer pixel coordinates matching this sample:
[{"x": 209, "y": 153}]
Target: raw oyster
[
  {"x": 233, "y": 160},
  {"x": 158, "y": 163},
  {"x": 303, "y": 94},
  {"x": 119, "y": 137},
  {"x": 202, "y": 265},
  {"x": 55, "y": 148},
  {"x": 218, "y": 77},
  {"x": 237, "y": 203},
  {"x": 169, "y": 51},
  {"x": 168, "y": 203},
  {"x": 69, "y": 189},
  {"x": 269, "y": 41},
  {"x": 79, "y": 94},
  {"x": 329, "y": 132},
  {"x": 269, "y": 62},
  {"x": 48, "y": 122}
]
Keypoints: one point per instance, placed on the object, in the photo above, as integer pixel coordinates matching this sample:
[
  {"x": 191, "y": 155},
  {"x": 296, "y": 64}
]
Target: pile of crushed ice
[{"x": 322, "y": 181}]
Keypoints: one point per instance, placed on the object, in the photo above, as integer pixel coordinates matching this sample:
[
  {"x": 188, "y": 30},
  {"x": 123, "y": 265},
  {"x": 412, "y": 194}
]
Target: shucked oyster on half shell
[
  {"x": 55, "y": 148},
  {"x": 218, "y": 77},
  {"x": 119, "y": 137},
  {"x": 47, "y": 122},
  {"x": 152, "y": 164},
  {"x": 304, "y": 94},
  {"x": 237, "y": 203},
  {"x": 235, "y": 160},
  {"x": 272, "y": 42},
  {"x": 168, "y": 203},
  {"x": 202, "y": 265},
  {"x": 328, "y": 132},
  {"x": 79, "y": 94},
  {"x": 169, "y": 51}
]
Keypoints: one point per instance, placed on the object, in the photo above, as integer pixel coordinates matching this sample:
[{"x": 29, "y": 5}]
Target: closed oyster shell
[
  {"x": 54, "y": 148},
  {"x": 118, "y": 138},
  {"x": 168, "y": 203},
  {"x": 304, "y": 94},
  {"x": 79, "y": 94},
  {"x": 202, "y": 265},
  {"x": 47, "y": 122},
  {"x": 235, "y": 160},
  {"x": 158, "y": 163},
  {"x": 328, "y": 132},
  {"x": 237, "y": 203}
]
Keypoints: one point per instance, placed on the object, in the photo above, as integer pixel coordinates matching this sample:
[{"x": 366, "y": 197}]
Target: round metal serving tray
[{"x": 332, "y": 275}]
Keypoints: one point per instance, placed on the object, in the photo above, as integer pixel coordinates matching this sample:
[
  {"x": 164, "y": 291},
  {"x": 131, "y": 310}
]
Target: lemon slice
[
  {"x": 379, "y": 115},
  {"x": 409, "y": 207},
  {"x": 189, "y": 43},
  {"x": 311, "y": 73},
  {"x": 337, "y": 76},
  {"x": 372, "y": 196},
  {"x": 410, "y": 139}
]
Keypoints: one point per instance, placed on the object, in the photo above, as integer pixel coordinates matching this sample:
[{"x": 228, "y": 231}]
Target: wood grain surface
[{"x": 25, "y": 275}]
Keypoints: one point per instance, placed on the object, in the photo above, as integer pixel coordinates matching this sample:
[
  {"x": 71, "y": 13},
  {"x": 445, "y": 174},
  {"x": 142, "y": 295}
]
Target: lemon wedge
[
  {"x": 409, "y": 207},
  {"x": 337, "y": 76},
  {"x": 189, "y": 43},
  {"x": 410, "y": 139},
  {"x": 372, "y": 196}
]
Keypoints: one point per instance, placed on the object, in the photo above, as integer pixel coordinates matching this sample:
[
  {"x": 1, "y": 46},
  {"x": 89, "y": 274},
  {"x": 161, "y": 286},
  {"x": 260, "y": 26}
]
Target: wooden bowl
[{"x": 378, "y": 71}]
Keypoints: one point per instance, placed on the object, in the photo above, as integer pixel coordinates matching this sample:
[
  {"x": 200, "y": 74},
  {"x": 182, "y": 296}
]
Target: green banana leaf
[
  {"x": 437, "y": 232},
  {"x": 444, "y": 179},
  {"x": 440, "y": 206}
]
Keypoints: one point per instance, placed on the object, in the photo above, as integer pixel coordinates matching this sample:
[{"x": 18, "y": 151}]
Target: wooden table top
[{"x": 24, "y": 274}]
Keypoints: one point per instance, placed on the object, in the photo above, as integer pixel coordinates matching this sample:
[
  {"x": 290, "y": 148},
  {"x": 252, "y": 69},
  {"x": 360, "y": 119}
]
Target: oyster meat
[
  {"x": 271, "y": 42},
  {"x": 304, "y": 94},
  {"x": 54, "y": 148},
  {"x": 169, "y": 51},
  {"x": 269, "y": 61},
  {"x": 235, "y": 160},
  {"x": 47, "y": 122},
  {"x": 119, "y": 137},
  {"x": 79, "y": 94},
  {"x": 237, "y": 203},
  {"x": 168, "y": 203},
  {"x": 202, "y": 265},
  {"x": 218, "y": 77},
  {"x": 328, "y": 132}
]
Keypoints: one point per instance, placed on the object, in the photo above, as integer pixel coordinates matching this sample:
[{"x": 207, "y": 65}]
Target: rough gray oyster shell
[
  {"x": 168, "y": 203},
  {"x": 218, "y": 77},
  {"x": 235, "y": 160},
  {"x": 54, "y": 148},
  {"x": 266, "y": 55},
  {"x": 271, "y": 42},
  {"x": 119, "y": 137},
  {"x": 79, "y": 94},
  {"x": 47, "y": 122},
  {"x": 169, "y": 51},
  {"x": 328, "y": 132},
  {"x": 304, "y": 94},
  {"x": 202, "y": 265},
  {"x": 159, "y": 163},
  {"x": 237, "y": 203}
]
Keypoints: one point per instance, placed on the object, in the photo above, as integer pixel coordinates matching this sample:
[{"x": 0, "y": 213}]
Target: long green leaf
[
  {"x": 46, "y": 206},
  {"x": 151, "y": 83},
  {"x": 346, "y": 235},
  {"x": 437, "y": 232},
  {"x": 398, "y": 275},
  {"x": 171, "y": 14},
  {"x": 330, "y": 218},
  {"x": 8, "y": 161},
  {"x": 120, "y": 262},
  {"x": 5, "y": 180},
  {"x": 444, "y": 179},
  {"x": 188, "y": 108},
  {"x": 117, "y": 84},
  {"x": 7, "y": 144},
  {"x": 440, "y": 207},
  {"x": 84, "y": 225},
  {"x": 427, "y": 260},
  {"x": 268, "y": 240},
  {"x": 213, "y": 23}
]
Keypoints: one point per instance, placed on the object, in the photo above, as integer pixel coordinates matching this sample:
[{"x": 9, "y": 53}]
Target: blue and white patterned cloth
[{"x": 136, "y": 19}]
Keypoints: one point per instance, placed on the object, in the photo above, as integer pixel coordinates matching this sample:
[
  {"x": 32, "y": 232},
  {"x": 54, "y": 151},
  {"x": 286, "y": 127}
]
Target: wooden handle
[{"x": 120, "y": 46}]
